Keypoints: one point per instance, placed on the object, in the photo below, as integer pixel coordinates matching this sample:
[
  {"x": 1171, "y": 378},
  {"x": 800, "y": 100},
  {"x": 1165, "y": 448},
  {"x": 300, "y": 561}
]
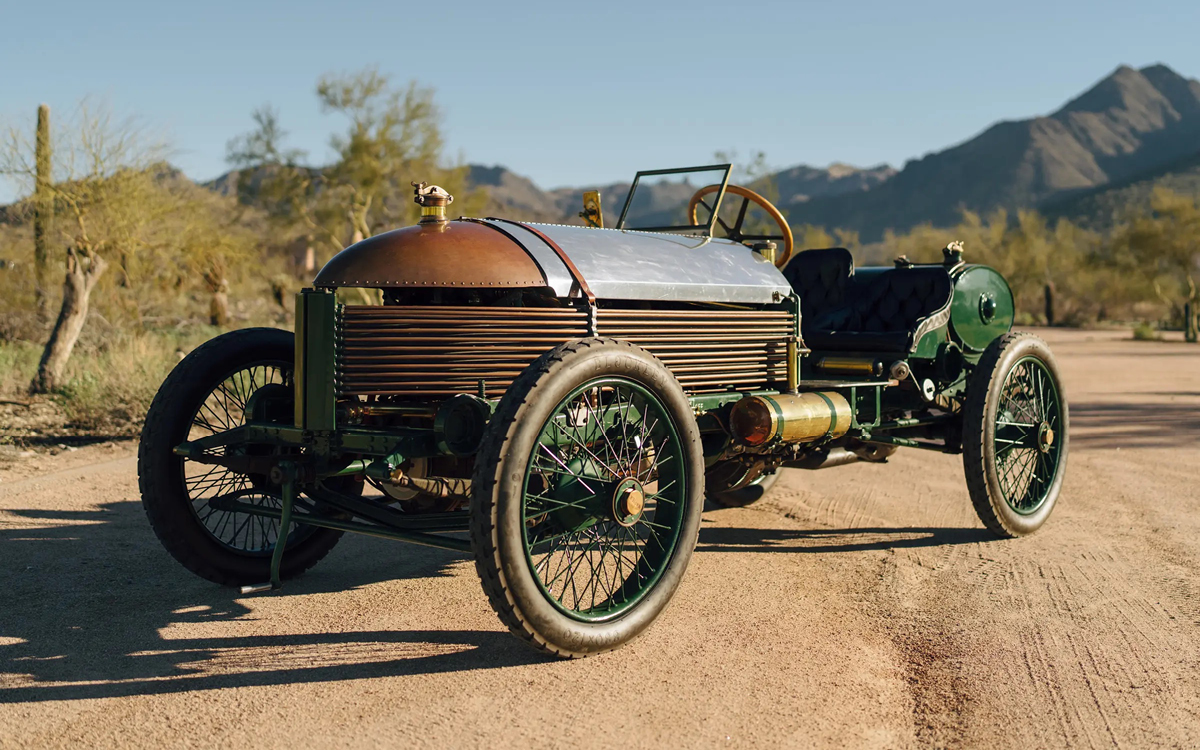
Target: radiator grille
[
  {"x": 709, "y": 350},
  {"x": 437, "y": 351},
  {"x": 443, "y": 350}
]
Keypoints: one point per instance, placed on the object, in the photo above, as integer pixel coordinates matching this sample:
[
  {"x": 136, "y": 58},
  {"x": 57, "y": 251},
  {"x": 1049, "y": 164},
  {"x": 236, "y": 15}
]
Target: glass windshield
[{"x": 675, "y": 200}]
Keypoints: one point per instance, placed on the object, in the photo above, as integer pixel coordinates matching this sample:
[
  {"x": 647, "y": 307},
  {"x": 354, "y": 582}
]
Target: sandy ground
[{"x": 860, "y": 606}]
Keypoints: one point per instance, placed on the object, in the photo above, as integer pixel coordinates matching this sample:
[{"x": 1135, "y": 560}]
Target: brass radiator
[
  {"x": 709, "y": 350},
  {"x": 437, "y": 351}
]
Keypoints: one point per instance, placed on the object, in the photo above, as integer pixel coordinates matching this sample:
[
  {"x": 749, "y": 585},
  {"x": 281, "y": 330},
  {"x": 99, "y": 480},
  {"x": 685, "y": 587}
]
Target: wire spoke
[
  {"x": 587, "y": 549},
  {"x": 1027, "y": 457},
  {"x": 225, "y": 408}
]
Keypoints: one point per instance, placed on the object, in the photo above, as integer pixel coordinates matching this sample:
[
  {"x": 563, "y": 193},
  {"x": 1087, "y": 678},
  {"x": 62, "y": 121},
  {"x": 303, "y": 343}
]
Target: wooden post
[{"x": 1190, "y": 322}]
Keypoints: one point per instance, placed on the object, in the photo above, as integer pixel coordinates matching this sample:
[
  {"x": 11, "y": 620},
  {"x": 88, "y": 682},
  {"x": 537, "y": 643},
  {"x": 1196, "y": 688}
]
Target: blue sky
[{"x": 577, "y": 93}]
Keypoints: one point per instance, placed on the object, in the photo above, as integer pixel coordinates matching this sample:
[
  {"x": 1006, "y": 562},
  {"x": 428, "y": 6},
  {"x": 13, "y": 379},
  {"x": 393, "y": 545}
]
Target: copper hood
[{"x": 451, "y": 254}]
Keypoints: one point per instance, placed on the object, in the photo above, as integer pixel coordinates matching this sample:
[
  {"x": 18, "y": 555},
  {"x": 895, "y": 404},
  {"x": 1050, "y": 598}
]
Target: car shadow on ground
[
  {"x": 731, "y": 539},
  {"x": 90, "y": 595},
  {"x": 1135, "y": 425},
  {"x": 53, "y": 440}
]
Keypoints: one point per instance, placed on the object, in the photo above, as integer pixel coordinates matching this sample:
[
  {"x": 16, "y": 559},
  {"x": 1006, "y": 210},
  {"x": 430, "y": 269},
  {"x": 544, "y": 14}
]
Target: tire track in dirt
[{"x": 862, "y": 606}]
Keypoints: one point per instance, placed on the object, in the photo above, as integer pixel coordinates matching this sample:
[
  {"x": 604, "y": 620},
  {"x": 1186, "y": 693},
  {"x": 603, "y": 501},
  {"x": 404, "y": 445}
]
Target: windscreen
[{"x": 675, "y": 200}]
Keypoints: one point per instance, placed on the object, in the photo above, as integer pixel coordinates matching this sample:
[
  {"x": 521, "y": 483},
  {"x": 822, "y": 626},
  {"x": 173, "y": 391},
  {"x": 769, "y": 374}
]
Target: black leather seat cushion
[{"x": 873, "y": 311}]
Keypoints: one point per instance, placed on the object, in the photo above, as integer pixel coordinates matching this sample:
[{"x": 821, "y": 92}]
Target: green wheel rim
[
  {"x": 593, "y": 551},
  {"x": 1028, "y": 438}
]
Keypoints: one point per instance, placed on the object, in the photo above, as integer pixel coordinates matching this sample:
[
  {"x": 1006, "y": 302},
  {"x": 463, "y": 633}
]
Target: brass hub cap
[
  {"x": 629, "y": 500},
  {"x": 1045, "y": 437}
]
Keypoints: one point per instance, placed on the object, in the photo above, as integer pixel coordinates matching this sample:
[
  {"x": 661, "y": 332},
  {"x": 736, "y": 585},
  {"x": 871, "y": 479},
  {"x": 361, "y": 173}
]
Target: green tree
[
  {"x": 118, "y": 202},
  {"x": 392, "y": 137},
  {"x": 1162, "y": 246}
]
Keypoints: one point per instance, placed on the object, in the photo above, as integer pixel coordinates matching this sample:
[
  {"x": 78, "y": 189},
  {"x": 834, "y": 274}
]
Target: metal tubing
[
  {"x": 905, "y": 443},
  {"x": 850, "y": 366},
  {"x": 793, "y": 365},
  {"x": 832, "y": 457},
  {"x": 413, "y": 537},
  {"x": 285, "y": 520},
  {"x": 354, "y": 467},
  {"x": 897, "y": 424}
]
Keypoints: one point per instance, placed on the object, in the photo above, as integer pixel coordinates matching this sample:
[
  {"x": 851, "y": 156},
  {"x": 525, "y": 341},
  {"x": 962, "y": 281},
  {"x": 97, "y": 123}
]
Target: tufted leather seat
[
  {"x": 875, "y": 310},
  {"x": 820, "y": 278}
]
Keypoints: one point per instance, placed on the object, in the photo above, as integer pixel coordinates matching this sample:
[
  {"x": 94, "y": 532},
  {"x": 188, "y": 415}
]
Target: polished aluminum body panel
[
  {"x": 631, "y": 265},
  {"x": 557, "y": 276}
]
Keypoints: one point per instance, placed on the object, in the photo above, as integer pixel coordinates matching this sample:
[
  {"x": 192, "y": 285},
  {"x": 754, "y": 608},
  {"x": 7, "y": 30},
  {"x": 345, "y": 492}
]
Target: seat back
[
  {"x": 898, "y": 299},
  {"x": 820, "y": 278}
]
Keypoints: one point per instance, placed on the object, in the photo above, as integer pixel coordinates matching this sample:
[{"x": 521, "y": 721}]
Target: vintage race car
[{"x": 568, "y": 396}]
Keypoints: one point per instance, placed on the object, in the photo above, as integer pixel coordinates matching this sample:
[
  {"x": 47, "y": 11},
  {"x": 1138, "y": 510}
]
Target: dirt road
[{"x": 861, "y": 606}]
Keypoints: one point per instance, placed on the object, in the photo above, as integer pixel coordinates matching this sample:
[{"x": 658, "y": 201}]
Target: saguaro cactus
[{"x": 43, "y": 208}]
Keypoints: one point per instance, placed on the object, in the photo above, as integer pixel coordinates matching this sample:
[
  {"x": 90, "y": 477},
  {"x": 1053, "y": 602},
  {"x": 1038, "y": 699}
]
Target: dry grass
[{"x": 108, "y": 388}]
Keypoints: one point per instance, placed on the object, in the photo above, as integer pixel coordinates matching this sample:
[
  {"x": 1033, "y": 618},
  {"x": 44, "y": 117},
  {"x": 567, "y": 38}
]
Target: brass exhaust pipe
[
  {"x": 790, "y": 417},
  {"x": 869, "y": 368}
]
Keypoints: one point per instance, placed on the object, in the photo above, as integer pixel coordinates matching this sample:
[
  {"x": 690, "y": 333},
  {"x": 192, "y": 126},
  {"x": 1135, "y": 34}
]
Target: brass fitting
[
  {"x": 766, "y": 249},
  {"x": 433, "y": 201}
]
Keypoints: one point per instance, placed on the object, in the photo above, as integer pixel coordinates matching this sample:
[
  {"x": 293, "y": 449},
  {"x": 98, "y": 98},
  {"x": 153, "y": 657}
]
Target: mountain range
[
  {"x": 1133, "y": 129},
  {"x": 511, "y": 195}
]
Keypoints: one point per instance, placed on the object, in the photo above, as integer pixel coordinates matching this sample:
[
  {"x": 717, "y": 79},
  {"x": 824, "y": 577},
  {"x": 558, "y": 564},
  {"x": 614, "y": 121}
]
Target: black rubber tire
[
  {"x": 498, "y": 489},
  {"x": 748, "y": 495},
  {"x": 161, "y": 472},
  {"x": 979, "y": 427}
]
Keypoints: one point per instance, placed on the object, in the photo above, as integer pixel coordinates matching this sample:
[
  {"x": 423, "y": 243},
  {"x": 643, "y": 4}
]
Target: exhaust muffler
[{"x": 790, "y": 418}]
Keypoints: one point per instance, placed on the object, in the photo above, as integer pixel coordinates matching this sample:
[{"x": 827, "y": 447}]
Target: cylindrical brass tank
[{"x": 790, "y": 417}]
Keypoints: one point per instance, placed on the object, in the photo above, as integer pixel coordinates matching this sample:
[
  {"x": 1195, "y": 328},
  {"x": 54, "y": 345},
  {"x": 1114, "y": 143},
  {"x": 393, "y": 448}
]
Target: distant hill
[
  {"x": 1131, "y": 122},
  {"x": 1100, "y": 208},
  {"x": 514, "y": 196},
  {"x": 802, "y": 183}
]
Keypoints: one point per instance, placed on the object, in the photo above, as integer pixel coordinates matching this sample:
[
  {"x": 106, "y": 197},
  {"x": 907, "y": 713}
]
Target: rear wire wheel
[
  {"x": 588, "y": 491},
  {"x": 1015, "y": 435}
]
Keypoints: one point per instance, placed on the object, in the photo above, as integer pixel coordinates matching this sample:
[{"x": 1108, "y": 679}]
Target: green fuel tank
[{"x": 982, "y": 308}]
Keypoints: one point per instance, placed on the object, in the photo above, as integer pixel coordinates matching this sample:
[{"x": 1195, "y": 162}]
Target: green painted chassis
[{"x": 315, "y": 448}]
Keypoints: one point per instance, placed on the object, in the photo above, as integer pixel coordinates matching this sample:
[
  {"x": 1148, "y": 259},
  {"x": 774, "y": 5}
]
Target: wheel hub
[
  {"x": 629, "y": 500},
  {"x": 1045, "y": 437}
]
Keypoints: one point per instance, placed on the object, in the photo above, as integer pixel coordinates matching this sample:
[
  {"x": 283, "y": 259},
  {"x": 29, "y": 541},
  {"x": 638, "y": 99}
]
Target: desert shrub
[
  {"x": 18, "y": 362},
  {"x": 1146, "y": 332}
]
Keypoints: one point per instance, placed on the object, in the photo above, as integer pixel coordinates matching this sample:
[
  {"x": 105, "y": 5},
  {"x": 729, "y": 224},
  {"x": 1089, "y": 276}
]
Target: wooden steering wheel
[{"x": 734, "y": 232}]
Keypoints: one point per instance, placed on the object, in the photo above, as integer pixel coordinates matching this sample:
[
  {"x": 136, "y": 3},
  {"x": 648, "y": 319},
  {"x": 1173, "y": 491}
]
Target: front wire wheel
[
  {"x": 237, "y": 377},
  {"x": 1015, "y": 435},
  {"x": 229, "y": 405},
  {"x": 588, "y": 497},
  {"x": 604, "y": 490}
]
